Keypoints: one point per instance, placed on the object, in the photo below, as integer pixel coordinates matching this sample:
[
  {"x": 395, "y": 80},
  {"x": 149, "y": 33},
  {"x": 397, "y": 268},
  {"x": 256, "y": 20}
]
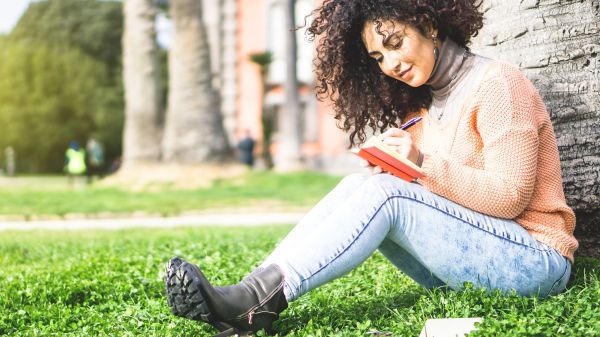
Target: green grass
[
  {"x": 52, "y": 196},
  {"x": 110, "y": 284}
]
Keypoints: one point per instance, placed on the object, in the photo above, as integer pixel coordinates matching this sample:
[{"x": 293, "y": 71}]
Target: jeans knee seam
[{"x": 472, "y": 224}]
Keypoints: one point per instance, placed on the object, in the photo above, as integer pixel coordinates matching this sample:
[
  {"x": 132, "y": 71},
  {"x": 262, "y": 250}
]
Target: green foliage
[
  {"x": 110, "y": 284},
  {"x": 53, "y": 196},
  {"x": 92, "y": 26},
  {"x": 61, "y": 80},
  {"x": 262, "y": 59},
  {"x": 48, "y": 96}
]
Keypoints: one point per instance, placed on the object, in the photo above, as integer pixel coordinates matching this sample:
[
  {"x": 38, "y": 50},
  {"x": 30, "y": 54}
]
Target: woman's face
[{"x": 402, "y": 52}]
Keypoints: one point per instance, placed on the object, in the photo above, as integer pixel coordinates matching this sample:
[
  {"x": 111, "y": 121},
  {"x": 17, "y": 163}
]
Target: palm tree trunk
[
  {"x": 289, "y": 150},
  {"x": 141, "y": 140},
  {"x": 263, "y": 60},
  {"x": 194, "y": 130},
  {"x": 558, "y": 46}
]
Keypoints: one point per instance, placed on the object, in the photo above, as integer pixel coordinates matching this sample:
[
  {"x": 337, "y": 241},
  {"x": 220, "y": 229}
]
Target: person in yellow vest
[{"x": 74, "y": 161}]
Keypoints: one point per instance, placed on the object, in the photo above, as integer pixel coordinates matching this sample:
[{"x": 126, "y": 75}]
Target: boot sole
[
  {"x": 184, "y": 296},
  {"x": 183, "y": 291}
]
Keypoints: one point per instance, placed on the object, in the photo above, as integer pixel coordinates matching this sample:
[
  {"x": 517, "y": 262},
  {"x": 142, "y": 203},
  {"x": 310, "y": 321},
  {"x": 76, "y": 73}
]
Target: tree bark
[
  {"x": 557, "y": 44},
  {"x": 289, "y": 150},
  {"x": 142, "y": 132},
  {"x": 194, "y": 132}
]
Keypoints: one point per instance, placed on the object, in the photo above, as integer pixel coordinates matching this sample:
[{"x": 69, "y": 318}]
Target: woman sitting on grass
[{"x": 490, "y": 209}]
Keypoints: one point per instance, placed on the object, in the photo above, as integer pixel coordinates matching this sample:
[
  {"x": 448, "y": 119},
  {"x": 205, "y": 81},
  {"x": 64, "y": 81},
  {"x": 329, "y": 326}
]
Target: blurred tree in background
[
  {"x": 45, "y": 101},
  {"x": 61, "y": 80},
  {"x": 193, "y": 132},
  {"x": 141, "y": 75}
]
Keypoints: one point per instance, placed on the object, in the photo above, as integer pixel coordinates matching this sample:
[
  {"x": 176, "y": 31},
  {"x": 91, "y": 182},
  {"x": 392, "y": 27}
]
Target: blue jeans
[{"x": 434, "y": 241}]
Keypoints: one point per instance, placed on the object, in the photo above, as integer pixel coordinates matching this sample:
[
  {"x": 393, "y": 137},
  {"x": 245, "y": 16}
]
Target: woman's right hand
[{"x": 374, "y": 169}]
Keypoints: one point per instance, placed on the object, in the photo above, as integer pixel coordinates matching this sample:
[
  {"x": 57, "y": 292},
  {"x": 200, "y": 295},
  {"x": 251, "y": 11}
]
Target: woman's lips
[{"x": 405, "y": 72}]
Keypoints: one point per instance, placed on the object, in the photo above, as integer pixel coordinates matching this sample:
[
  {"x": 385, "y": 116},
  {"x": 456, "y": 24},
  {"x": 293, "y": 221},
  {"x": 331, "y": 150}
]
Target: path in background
[
  {"x": 50, "y": 182},
  {"x": 214, "y": 219}
]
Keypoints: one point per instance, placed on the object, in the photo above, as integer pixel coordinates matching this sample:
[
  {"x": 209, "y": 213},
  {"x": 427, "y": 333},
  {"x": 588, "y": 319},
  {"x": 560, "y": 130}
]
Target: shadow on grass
[
  {"x": 331, "y": 311},
  {"x": 340, "y": 313}
]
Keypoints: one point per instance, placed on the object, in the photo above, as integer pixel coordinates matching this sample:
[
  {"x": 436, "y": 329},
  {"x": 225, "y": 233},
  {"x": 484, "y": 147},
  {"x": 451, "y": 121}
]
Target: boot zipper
[{"x": 250, "y": 316}]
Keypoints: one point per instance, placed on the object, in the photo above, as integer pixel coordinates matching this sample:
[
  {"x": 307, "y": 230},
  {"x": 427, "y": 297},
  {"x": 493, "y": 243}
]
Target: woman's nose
[{"x": 392, "y": 62}]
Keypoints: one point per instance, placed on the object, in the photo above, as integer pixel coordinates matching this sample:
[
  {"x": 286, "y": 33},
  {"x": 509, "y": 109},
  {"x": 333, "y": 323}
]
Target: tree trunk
[
  {"x": 263, "y": 60},
  {"x": 141, "y": 140},
  {"x": 289, "y": 151},
  {"x": 194, "y": 130},
  {"x": 557, "y": 44}
]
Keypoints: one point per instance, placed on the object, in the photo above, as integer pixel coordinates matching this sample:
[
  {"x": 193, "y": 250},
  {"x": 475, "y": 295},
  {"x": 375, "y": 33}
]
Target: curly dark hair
[{"x": 362, "y": 95}]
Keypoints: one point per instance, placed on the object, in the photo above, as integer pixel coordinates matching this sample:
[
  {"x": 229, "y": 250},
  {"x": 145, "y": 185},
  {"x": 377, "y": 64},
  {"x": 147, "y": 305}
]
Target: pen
[{"x": 410, "y": 123}]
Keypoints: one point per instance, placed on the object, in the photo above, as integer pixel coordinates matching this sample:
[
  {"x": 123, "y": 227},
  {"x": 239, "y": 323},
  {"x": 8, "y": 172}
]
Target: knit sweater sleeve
[{"x": 502, "y": 123}]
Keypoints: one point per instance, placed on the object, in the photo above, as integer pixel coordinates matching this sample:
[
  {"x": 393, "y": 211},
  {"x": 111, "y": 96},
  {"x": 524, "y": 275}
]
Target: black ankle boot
[{"x": 251, "y": 305}]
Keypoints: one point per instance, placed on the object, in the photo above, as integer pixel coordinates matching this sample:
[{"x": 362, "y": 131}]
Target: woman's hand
[
  {"x": 374, "y": 169},
  {"x": 399, "y": 140},
  {"x": 402, "y": 142}
]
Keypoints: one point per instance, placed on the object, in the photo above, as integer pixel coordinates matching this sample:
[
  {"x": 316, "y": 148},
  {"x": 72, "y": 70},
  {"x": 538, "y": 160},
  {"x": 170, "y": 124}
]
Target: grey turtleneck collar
[{"x": 449, "y": 63}]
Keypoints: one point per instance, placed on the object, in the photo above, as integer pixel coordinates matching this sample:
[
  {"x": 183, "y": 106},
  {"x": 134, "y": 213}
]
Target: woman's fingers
[
  {"x": 393, "y": 132},
  {"x": 374, "y": 169},
  {"x": 402, "y": 145},
  {"x": 397, "y": 141}
]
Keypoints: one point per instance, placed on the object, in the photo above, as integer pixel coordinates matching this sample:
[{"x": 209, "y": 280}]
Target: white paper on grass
[{"x": 449, "y": 327}]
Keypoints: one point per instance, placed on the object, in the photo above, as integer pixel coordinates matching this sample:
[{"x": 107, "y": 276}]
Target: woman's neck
[{"x": 449, "y": 64}]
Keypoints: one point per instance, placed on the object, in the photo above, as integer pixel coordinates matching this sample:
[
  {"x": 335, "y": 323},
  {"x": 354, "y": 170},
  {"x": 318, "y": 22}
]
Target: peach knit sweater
[{"x": 499, "y": 157}]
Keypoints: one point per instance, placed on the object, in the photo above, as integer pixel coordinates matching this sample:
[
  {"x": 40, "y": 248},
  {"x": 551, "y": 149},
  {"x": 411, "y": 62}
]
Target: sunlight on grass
[
  {"x": 105, "y": 283},
  {"x": 266, "y": 190}
]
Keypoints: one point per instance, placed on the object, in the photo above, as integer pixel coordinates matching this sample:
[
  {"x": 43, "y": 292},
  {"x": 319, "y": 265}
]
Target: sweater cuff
[
  {"x": 427, "y": 165},
  {"x": 427, "y": 162},
  {"x": 420, "y": 159}
]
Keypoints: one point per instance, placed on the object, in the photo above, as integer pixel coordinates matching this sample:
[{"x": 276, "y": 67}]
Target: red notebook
[{"x": 379, "y": 154}]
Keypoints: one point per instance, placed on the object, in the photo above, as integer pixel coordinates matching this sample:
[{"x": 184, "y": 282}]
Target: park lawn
[
  {"x": 30, "y": 197},
  {"x": 109, "y": 283}
]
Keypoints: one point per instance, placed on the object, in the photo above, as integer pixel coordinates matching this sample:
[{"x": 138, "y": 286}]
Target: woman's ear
[{"x": 432, "y": 32}]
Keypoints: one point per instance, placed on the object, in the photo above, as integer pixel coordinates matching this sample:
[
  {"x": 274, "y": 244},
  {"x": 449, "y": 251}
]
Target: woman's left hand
[{"x": 402, "y": 142}]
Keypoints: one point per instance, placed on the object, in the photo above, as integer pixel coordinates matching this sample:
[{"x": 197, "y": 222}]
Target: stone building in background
[{"x": 238, "y": 29}]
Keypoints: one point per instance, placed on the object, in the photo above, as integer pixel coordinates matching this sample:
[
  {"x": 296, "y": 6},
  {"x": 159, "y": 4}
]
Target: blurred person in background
[
  {"x": 246, "y": 149},
  {"x": 74, "y": 161},
  {"x": 10, "y": 161},
  {"x": 94, "y": 159}
]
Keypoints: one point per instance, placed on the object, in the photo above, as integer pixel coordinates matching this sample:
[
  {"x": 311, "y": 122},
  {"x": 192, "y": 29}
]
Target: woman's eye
[{"x": 395, "y": 41}]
